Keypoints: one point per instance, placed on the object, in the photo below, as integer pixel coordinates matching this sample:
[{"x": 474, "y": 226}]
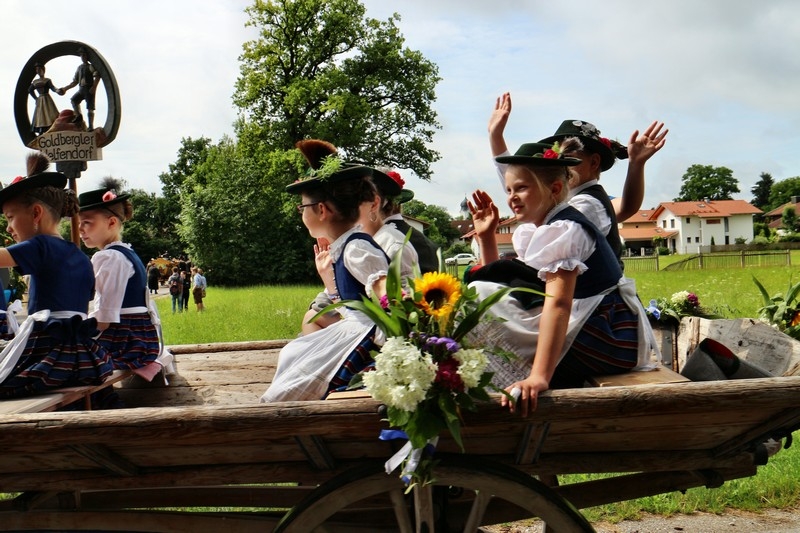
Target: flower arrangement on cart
[{"x": 426, "y": 373}]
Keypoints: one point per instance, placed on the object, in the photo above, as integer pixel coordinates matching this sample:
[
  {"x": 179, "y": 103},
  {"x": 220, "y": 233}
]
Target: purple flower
[
  {"x": 384, "y": 301},
  {"x": 447, "y": 375},
  {"x": 692, "y": 299}
]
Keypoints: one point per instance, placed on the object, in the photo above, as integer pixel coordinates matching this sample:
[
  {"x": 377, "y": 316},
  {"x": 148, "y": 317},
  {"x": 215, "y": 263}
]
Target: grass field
[{"x": 275, "y": 312}]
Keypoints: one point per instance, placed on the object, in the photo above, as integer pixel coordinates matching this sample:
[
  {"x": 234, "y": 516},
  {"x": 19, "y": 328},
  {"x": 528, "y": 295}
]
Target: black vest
[{"x": 597, "y": 192}]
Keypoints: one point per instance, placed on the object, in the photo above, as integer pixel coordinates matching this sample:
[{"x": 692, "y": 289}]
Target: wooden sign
[{"x": 69, "y": 146}]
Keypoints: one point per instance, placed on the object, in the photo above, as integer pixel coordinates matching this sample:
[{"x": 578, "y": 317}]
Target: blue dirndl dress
[
  {"x": 59, "y": 348},
  {"x": 133, "y": 341}
]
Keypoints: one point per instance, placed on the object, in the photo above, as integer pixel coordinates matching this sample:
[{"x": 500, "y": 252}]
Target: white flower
[
  {"x": 472, "y": 364},
  {"x": 402, "y": 375},
  {"x": 680, "y": 298}
]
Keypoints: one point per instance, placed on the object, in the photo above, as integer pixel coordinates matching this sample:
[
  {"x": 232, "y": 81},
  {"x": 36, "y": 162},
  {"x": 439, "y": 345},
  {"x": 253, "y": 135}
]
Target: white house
[{"x": 697, "y": 223}]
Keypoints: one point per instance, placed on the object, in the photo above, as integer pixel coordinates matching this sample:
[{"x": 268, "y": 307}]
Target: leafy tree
[
  {"x": 707, "y": 182},
  {"x": 761, "y": 191},
  {"x": 783, "y": 191},
  {"x": 789, "y": 219},
  {"x": 320, "y": 69},
  {"x": 152, "y": 231},
  {"x": 191, "y": 153},
  {"x": 440, "y": 230},
  {"x": 239, "y": 234}
]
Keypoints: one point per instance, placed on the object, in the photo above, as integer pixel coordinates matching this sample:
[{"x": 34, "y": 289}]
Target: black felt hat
[
  {"x": 325, "y": 167},
  {"x": 99, "y": 198},
  {"x": 538, "y": 154},
  {"x": 22, "y": 184},
  {"x": 392, "y": 185},
  {"x": 589, "y": 135}
]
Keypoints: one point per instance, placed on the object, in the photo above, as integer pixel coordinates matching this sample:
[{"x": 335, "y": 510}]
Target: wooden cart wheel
[{"x": 483, "y": 481}]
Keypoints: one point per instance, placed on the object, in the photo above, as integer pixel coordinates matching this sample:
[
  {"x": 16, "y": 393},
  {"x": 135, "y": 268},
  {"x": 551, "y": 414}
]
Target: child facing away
[
  {"x": 591, "y": 322},
  {"x": 121, "y": 306},
  {"x": 54, "y": 346},
  {"x": 596, "y": 154},
  {"x": 325, "y": 359}
]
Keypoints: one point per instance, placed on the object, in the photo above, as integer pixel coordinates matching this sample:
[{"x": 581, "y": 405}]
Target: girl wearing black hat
[
  {"x": 121, "y": 304},
  {"x": 54, "y": 346},
  {"x": 325, "y": 359},
  {"x": 590, "y": 322}
]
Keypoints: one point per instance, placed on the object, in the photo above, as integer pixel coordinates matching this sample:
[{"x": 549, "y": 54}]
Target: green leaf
[
  {"x": 449, "y": 409},
  {"x": 764, "y": 294},
  {"x": 471, "y": 320}
]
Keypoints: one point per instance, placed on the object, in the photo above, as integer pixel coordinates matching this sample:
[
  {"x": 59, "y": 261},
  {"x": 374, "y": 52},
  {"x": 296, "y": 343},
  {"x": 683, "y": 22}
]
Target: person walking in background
[
  {"x": 187, "y": 289},
  {"x": 152, "y": 278},
  {"x": 175, "y": 284},
  {"x": 199, "y": 288}
]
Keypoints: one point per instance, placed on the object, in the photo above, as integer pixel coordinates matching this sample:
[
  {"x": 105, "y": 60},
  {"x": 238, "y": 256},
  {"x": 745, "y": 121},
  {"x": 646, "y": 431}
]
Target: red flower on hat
[
  {"x": 18, "y": 179},
  {"x": 606, "y": 142},
  {"x": 108, "y": 196},
  {"x": 550, "y": 154},
  {"x": 397, "y": 178}
]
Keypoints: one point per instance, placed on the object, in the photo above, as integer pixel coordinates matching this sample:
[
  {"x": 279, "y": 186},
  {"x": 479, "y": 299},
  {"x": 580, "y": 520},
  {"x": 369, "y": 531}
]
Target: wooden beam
[
  {"x": 107, "y": 459},
  {"x": 316, "y": 451},
  {"x": 787, "y": 419},
  {"x": 530, "y": 445}
]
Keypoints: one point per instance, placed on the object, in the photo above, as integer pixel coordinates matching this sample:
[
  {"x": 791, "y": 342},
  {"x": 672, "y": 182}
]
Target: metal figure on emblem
[
  {"x": 86, "y": 79},
  {"x": 45, "y": 112}
]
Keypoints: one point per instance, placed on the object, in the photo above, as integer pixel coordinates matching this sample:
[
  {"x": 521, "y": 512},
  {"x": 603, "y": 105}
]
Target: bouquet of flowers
[
  {"x": 781, "y": 310},
  {"x": 426, "y": 373},
  {"x": 679, "y": 305}
]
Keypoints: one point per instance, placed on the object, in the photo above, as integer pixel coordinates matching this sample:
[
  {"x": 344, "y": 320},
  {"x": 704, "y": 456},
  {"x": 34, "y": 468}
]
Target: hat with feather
[
  {"x": 38, "y": 176},
  {"x": 100, "y": 198},
  {"x": 325, "y": 166},
  {"x": 540, "y": 155},
  {"x": 391, "y": 185},
  {"x": 608, "y": 150}
]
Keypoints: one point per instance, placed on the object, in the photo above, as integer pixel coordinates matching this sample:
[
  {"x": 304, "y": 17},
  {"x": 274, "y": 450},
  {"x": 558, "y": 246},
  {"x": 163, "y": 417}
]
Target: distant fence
[
  {"x": 742, "y": 259},
  {"x": 452, "y": 270},
  {"x": 645, "y": 263}
]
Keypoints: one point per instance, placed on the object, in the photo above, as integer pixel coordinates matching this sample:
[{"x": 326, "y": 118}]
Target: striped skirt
[
  {"x": 131, "y": 343},
  {"x": 357, "y": 361},
  {"x": 59, "y": 353},
  {"x": 608, "y": 343}
]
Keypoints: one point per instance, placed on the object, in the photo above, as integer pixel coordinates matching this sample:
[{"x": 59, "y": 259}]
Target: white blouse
[
  {"x": 392, "y": 240},
  {"x": 112, "y": 270},
  {"x": 363, "y": 260}
]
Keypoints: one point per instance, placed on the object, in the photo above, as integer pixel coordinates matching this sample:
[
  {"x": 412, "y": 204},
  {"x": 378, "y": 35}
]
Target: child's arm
[
  {"x": 560, "y": 289},
  {"x": 640, "y": 149},
  {"x": 497, "y": 124},
  {"x": 5, "y": 259},
  {"x": 324, "y": 264},
  {"x": 485, "y": 219}
]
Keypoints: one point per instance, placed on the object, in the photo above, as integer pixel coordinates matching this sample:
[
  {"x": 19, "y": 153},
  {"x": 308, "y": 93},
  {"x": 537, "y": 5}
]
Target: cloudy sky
[{"x": 722, "y": 74}]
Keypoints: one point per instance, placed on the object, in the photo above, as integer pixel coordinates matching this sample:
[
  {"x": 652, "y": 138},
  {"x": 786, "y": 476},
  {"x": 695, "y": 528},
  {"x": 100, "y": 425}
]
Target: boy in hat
[{"x": 54, "y": 346}]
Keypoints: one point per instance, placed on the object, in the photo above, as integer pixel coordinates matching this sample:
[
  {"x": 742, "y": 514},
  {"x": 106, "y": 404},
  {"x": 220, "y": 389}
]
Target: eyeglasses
[{"x": 303, "y": 206}]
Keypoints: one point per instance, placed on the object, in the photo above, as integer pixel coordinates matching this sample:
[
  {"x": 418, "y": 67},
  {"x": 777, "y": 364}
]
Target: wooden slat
[
  {"x": 659, "y": 375},
  {"x": 106, "y": 458},
  {"x": 315, "y": 450},
  {"x": 530, "y": 445}
]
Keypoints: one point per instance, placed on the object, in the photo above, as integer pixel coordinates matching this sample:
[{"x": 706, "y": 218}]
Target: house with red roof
[
  {"x": 698, "y": 222},
  {"x": 775, "y": 217},
  {"x": 638, "y": 232}
]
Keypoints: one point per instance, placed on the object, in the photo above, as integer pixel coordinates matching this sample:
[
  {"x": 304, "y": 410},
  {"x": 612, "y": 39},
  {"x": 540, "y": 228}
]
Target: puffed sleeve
[
  {"x": 561, "y": 245},
  {"x": 592, "y": 209},
  {"x": 365, "y": 262}
]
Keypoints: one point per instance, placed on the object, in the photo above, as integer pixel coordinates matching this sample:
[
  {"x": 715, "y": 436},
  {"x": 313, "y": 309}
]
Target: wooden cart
[{"x": 204, "y": 442}]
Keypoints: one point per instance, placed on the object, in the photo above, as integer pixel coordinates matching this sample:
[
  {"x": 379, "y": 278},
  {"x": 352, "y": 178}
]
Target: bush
[
  {"x": 739, "y": 240},
  {"x": 457, "y": 248},
  {"x": 759, "y": 239},
  {"x": 663, "y": 250}
]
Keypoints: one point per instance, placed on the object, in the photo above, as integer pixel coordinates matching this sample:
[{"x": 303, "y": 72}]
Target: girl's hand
[
  {"x": 529, "y": 390},
  {"x": 485, "y": 214},
  {"x": 322, "y": 259},
  {"x": 642, "y": 147}
]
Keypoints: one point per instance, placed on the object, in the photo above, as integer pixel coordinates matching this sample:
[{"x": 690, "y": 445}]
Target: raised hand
[
  {"x": 642, "y": 147},
  {"x": 485, "y": 214}
]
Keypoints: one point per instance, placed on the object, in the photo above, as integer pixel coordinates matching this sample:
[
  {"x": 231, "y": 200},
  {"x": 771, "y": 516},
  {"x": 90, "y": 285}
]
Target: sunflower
[
  {"x": 440, "y": 292},
  {"x": 795, "y": 319}
]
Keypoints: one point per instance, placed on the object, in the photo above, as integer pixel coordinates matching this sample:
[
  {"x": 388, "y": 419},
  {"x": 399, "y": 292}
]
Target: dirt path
[{"x": 770, "y": 521}]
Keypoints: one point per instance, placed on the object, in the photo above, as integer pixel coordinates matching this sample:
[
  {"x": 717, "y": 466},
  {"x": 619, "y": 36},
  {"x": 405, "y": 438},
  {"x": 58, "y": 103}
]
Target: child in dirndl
[
  {"x": 122, "y": 307},
  {"x": 326, "y": 358},
  {"x": 591, "y": 321},
  {"x": 55, "y": 345}
]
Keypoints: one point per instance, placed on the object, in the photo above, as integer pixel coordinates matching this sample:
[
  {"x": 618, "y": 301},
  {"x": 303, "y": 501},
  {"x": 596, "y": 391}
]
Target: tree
[
  {"x": 192, "y": 153},
  {"x": 236, "y": 232},
  {"x": 440, "y": 231},
  {"x": 152, "y": 231},
  {"x": 782, "y": 192},
  {"x": 702, "y": 182},
  {"x": 320, "y": 69},
  {"x": 789, "y": 219},
  {"x": 761, "y": 191}
]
